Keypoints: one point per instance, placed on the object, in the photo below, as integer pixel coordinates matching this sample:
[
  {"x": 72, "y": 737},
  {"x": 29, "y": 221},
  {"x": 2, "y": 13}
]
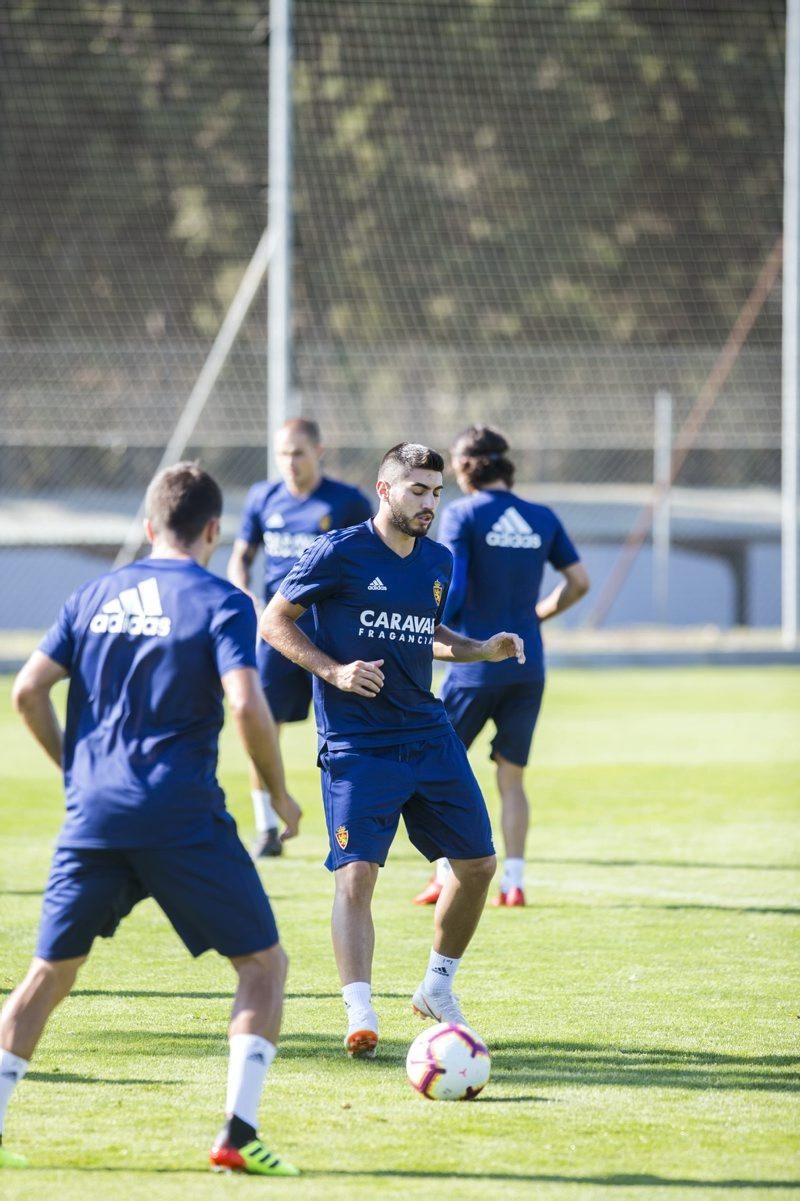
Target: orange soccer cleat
[{"x": 513, "y": 899}]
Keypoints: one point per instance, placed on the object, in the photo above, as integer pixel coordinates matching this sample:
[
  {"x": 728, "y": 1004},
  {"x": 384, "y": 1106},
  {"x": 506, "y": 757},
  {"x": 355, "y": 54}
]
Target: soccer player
[
  {"x": 285, "y": 517},
  {"x": 149, "y": 651},
  {"x": 501, "y": 544},
  {"x": 386, "y": 747}
]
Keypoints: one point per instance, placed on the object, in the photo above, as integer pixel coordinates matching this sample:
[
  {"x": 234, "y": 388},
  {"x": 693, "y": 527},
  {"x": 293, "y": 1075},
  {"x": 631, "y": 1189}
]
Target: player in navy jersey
[
  {"x": 284, "y": 517},
  {"x": 150, "y": 650},
  {"x": 501, "y": 544},
  {"x": 386, "y": 747}
]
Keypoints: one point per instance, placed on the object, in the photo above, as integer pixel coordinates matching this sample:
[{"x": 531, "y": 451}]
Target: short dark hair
[
  {"x": 305, "y": 426},
  {"x": 182, "y": 499},
  {"x": 483, "y": 456},
  {"x": 406, "y": 457}
]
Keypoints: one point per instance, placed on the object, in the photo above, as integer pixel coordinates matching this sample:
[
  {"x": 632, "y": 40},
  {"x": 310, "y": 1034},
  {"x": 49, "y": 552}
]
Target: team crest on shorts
[
  {"x": 325, "y": 523},
  {"x": 438, "y": 589},
  {"x": 342, "y": 836}
]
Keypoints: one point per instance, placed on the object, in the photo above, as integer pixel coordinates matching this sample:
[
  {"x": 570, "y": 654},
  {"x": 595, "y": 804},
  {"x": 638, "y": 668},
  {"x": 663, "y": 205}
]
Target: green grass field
[{"x": 642, "y": 1013}]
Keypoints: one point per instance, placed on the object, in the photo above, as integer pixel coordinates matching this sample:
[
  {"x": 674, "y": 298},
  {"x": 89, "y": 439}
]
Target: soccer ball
[{"x": 448, "y": 1062}]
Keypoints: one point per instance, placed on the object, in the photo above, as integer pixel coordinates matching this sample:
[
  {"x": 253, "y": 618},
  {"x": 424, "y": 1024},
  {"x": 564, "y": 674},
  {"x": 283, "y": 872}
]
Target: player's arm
[
  {"x": 565, "y": 594},
  {"x": 239, "y": 565},
  {"x": 31, "y": 699},
  {"x": 455, "y": 648},
  {"x": 259, "y": 737},
  {"x": 278, "y": 627}
]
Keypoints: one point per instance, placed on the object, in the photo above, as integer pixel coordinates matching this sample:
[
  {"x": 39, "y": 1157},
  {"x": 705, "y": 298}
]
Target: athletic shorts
[
  {"x": 430, "y": 784},
  {"x": 287, "y": 687},
  {"x": 513, "y": 708},
  {"x": 211, "y": 893}
]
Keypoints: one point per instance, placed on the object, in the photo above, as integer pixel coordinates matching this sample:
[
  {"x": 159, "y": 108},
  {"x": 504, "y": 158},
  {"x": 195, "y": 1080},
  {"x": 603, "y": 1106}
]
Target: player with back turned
[
  {"x": 386, "y": 747},
  {"x": 150, "y": 650},
  {"x": 501, "y": 544},
  {"x": 283, "y": 517}
]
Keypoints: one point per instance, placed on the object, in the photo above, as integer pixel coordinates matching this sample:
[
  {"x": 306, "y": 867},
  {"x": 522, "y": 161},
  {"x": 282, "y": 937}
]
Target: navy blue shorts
[
  {"x": 430, "y": 783},
  {"x": 513, "y": 708},
  {"x": 211, "y": 894},
  {"x": 287, "y": 687}
]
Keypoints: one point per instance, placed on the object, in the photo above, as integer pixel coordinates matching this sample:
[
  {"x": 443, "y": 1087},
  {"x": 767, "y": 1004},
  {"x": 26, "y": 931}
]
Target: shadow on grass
[
  {"x": 73, "y": 1078},
  {"x": 119, "y": 994},
  {"x": 615, "y": 1180},
  {"x": 589, "y": 1064},
  {"x": 656, "y": 906},
  {"x": 537, "y": 1065},
  {"x": 680, "y": 863}
]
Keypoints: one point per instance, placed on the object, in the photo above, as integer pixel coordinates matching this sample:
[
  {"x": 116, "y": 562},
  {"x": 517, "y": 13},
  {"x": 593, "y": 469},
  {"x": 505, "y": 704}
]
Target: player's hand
[
  {"x": 290, "y": 813},
  {"x": 365, "y": 679},
  {"x": 504, "y": 646}
]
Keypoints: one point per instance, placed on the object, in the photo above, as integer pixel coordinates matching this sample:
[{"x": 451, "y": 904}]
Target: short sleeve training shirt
[
  {"x": 502, "y": 543},
  {"x": 286, "y": 525},
  {"x": 370, "y": 603},
  {"x": 145, "y": 648}
]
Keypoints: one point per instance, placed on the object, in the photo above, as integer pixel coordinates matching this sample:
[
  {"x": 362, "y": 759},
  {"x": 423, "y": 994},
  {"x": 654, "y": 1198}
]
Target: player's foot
[
  {"x": 499, "y": 901},
  {"x": 253, "y": 1158},
  {"x": 361, "y": 1040},
  {"x": 268, "y": 844},
  {"x": 9, "y": 1159},
  {"x": 442, "y": 1006},
  {"x": 513, "y": 899},
  {"x": 430, "y": 893}
]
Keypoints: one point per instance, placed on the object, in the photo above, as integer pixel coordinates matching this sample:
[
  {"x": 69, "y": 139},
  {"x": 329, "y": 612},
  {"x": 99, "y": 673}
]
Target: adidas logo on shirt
[
  {"x": 275, "y": 522},
  {"x": 377, "y": 585},
  {"x": 513, "y": 532},
  {"x": 135, "y": 611}
]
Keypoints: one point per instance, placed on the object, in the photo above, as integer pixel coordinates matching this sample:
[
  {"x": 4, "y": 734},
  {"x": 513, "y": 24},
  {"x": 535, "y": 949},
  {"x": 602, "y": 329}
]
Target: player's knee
[
  {"x": 55, "y": 977},
  {"x": 355, "y": 882}
]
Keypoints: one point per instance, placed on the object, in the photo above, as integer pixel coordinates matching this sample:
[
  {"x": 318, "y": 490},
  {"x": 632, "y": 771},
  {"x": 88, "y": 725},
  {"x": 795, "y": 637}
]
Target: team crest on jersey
[
  {"x": 438, "y": 591},
  {"x": 342, "y": 836},
  {"x": 325, "y": 523}
]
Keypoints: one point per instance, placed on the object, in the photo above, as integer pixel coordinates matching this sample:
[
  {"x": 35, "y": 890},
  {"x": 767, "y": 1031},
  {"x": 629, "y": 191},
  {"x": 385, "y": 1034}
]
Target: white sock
[
  {"x": 12, "y": 1069},
  {"x": 265, "y": 815},
  {"x": 248, "y": 1065},
  {"x": 357, "y": 997},
  {"x": 440, "y": 973},
  {"x": 442, "y": 870},
  {"x": 513, "y": 874}
]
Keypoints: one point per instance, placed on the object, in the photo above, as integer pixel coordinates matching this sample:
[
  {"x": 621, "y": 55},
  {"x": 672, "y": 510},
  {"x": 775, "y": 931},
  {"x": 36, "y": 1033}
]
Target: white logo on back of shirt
[
  {"x": 377, "y": 585},
  {"x": 135, "y": 611},
  {"x": 275, "y": 522},
  {"x": 513, "y": 532}
]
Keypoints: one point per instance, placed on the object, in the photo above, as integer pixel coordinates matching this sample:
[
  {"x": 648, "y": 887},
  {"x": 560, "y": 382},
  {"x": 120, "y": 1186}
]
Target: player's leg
[
  {"x": 252, "y": 1035},
  {"x": 363, "y": 795},
  {"x": 447, "y": 813},
  {"x": 353, "y": 935},
  {"x": 22, "y": 1021},
  {"x": 87, "y": 894},
  {"x": 214, "y": 899},
  {"x": 514, "y": 822},
  {"x": 515, "y": 715},
  {"x": 455, "y": 920},
  {"x": 287, "y": 689},
  {"x": 469, "y": 710}
]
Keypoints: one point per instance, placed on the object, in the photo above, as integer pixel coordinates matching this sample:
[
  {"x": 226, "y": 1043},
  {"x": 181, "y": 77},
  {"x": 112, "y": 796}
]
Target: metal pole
[
  {"x": 662, "y": 478},
  {"x": 791, "y": 332},
  {"x": 279, "y": 285},
  {"x": 204, "y": 384}
]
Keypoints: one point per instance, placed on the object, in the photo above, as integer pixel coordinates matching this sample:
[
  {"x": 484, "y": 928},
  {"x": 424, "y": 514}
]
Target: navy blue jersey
[
  {"x": 500, "y": 544},
  {"x": 145, "y": 648},
  {"x": 369, "y": 603},
  {"x": 286, "y": 525}
]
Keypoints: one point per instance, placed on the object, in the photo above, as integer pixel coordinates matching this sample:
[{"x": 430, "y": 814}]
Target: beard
[{"x": 404, "y": 524}]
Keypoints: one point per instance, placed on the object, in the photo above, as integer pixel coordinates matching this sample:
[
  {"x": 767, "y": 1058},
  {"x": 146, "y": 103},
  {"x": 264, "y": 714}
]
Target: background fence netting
[{"x": 533, "y": 214}]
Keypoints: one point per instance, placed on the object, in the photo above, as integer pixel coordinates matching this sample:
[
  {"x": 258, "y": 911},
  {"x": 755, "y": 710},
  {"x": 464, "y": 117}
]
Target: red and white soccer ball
[{"x": 448, "y": 1063}]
